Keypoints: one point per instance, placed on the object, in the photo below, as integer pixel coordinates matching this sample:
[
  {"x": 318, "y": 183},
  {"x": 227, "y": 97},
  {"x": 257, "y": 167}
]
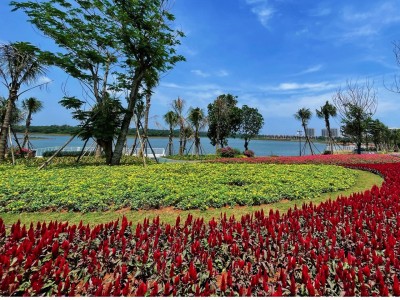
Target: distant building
[
  {"x": 310, "y": 132},
  {"x": 334, "y": 132}
]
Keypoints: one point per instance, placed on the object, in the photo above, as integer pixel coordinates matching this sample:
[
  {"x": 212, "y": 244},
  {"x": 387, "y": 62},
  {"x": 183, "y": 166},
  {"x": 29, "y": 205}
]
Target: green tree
[
  {"x": 356, "y": 105},
  {"x": 223, "y": 119},
  {"x": 171, "y": 119},
  {"x": 380, "y": 134},
  {"x": 325, "y": 112},
  {"x": 20, "y": 66},
  {"x": 198, "y": 120},
  {"x": 304, "y": 115},
  {"x": 130, "y": 38},
  {"x": 31, "y": 106},
  {"x": 250, "y": 124}
]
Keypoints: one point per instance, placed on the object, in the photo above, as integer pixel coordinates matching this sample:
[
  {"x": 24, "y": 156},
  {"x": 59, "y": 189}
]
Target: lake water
[{"x": 260, "y": 147}]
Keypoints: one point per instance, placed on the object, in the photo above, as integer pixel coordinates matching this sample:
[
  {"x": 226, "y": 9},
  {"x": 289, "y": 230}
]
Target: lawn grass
[{"x": 365, "y": 181}]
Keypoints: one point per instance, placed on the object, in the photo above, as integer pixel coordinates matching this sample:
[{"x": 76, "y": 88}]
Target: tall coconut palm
[
  {"x": 197, "y": 119},
  {"x": 31, "y": 106},
  {"x": 19, "y": 65},
  {"x": 325, "y": 112},
  {"x": 171, "y": 118},
  {"x": 178, "y": 106},
  {"x": 304, "y": 115}
]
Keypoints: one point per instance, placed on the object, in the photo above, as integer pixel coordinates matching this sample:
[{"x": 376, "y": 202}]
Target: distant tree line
[{"x": 70, "y": 130}]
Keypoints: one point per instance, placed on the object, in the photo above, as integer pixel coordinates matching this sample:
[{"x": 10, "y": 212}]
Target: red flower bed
[
  {"x": 347, "y": 247},
  {"x": 317, "y": 159}
]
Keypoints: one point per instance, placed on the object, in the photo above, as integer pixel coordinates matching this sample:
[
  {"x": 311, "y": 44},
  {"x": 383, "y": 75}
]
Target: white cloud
[
  {"x": 311, "y": 69},
  {"x": 370, "y": 22},
  {"x": 262, "y": 10},
  {"x": 294, "y": 86},
  {"x": 200, "y": 73},
  {"x": 44, "y": 79}
]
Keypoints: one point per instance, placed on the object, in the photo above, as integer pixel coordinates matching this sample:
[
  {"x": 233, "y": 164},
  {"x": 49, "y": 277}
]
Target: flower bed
[
  {"x": 347, "y": 247},
  {"x": 186, "y": 186}
]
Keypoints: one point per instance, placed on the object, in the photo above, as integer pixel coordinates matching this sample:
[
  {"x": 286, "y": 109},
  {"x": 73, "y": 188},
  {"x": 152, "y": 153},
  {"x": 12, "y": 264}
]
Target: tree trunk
[
  {"x": 98, "y": 149},
  {"x": 108, "y": 150},
  {"x": 6, "y": 123},
  {"x": 330, "y": 139},
  {"x": 119, "y": 147},
  {"x": 170, "y": 142},
  {"x": 16, "y": 140},
  {"x": 246, "y": 144},
  {"x": 358, "y": 147},
  {"x": 307, "y": 139},
  {"x": 196, "y": 142},
  {"x": 146, "y": 124},
  {"x": 184, "y": 145},
  {"x": 181, "y": 134},
  {"x": 27, "y": 125}
]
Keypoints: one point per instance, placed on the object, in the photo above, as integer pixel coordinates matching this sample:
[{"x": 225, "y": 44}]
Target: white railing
[
  {"x": 159, "y": 152},
  {"x": 40, "y": 151},
  {"x": 341, "y": 148}
]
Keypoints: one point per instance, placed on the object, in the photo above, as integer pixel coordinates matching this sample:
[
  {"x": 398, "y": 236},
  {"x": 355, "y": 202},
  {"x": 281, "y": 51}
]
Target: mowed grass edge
[{"x": 365, "y": 181}]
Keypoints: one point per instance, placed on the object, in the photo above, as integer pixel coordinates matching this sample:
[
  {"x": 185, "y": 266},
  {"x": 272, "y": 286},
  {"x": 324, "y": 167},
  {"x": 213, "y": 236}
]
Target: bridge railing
[
  {"x": 159, "y": 152},
  {"x": 40, "y": 151}
]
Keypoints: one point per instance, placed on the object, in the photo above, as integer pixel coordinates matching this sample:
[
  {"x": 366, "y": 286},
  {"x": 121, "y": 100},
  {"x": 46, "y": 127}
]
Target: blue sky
[{"x": 275, "y": 55}]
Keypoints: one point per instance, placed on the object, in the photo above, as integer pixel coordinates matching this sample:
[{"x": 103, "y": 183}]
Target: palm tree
[
  {"x": 19, "y": 65},
  {"x": 31, "y": 106},
  {"x": 177, "y": 106},
  {"x": 198, "y": 120},
  {"x": 171, "y": 118},
  {"x": 304, "y": 115},
  {"x": 326, "y": 111}
]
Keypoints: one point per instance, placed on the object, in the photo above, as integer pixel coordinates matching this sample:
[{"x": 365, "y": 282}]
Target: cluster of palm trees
[
  {"x": 19, "y": 68},
  {"x": 189, "y": 126},
  {"x": 325, "y": 112},
  {"x": 30, "y": 106}
]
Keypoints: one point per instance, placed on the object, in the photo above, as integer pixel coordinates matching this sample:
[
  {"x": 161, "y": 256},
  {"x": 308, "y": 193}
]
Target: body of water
[{"x": 260, "y": 147}]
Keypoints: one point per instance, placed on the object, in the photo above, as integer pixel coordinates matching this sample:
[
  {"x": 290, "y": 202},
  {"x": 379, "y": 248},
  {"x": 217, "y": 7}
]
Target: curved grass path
[{"x": 168, "y": 215}]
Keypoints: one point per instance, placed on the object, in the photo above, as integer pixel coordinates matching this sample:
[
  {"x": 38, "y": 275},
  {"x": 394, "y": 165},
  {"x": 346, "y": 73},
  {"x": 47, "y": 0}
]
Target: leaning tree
[
  {"x": 325, "y": 112},
  {"x": 356, "y": 104},
  {"x": 304, "y": 115},
  {"x": 20, "y": 69}
]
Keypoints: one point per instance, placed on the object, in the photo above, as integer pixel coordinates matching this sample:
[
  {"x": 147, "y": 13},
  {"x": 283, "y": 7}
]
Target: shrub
[
  {"x": 23, "y": 152},
  {"x": 228, "y": 152},
  {"x": 249, "y": 153}
]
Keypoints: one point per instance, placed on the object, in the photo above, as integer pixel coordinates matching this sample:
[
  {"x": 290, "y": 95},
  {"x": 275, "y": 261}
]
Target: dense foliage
[
  {"x": 347, "y": 247},
  {"x": 185, "y": 186},
  {"x": 223, "y": 119},
  {"x": 251, "y": 122}
]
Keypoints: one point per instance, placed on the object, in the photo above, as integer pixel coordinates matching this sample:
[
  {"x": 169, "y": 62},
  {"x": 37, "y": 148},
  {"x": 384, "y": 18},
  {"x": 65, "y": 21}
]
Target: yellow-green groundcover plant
[{"x": 185, "y": 186}]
